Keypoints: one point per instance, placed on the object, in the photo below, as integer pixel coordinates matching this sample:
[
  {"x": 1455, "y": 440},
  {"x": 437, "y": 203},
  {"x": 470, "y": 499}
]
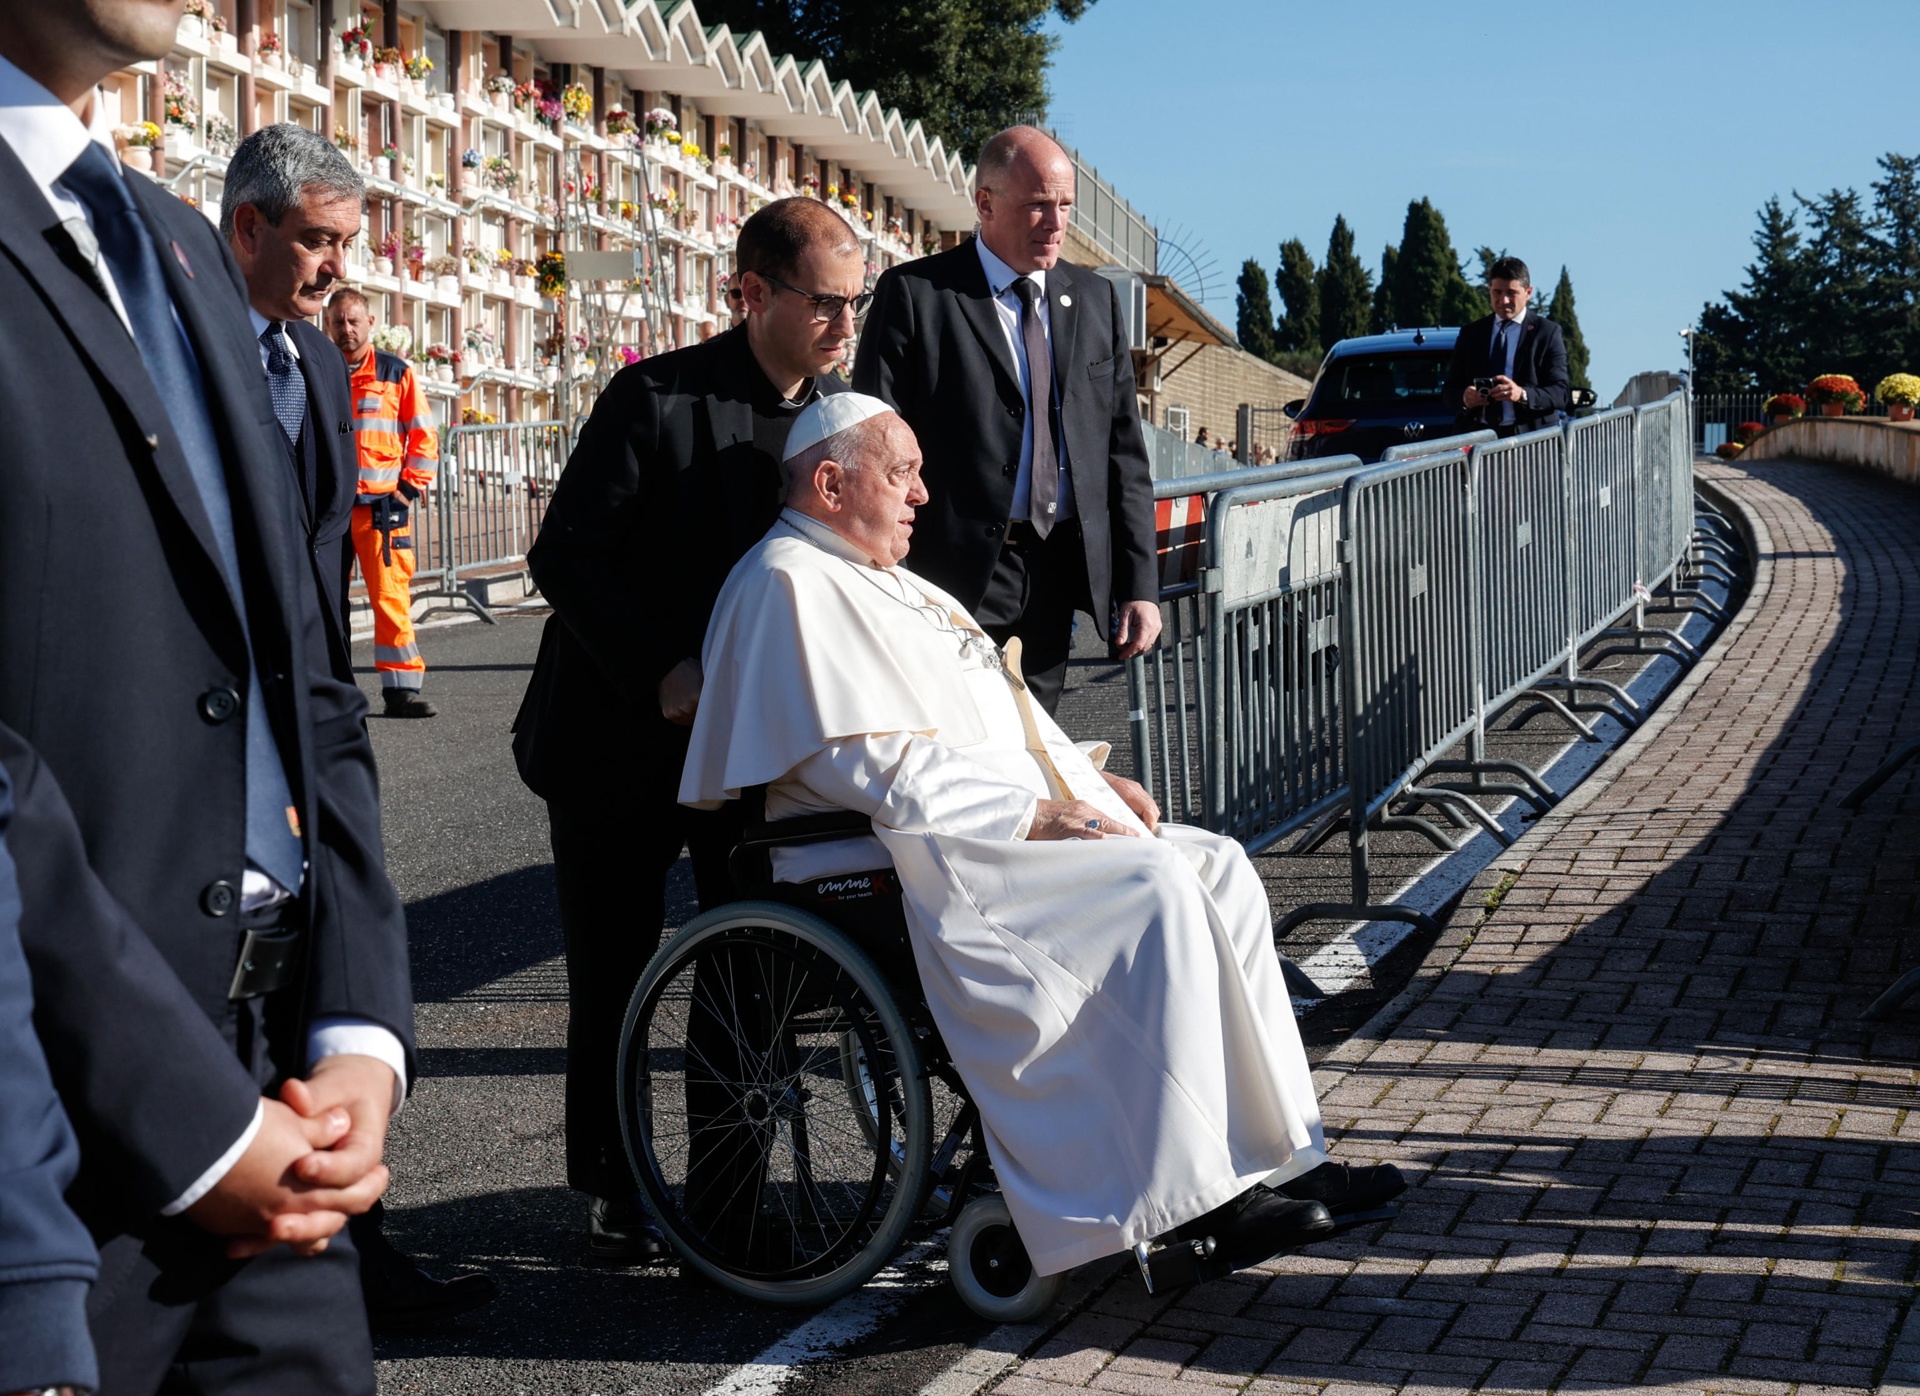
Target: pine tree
[
  {"x": 1382, "y": 317},
  {"x": 1486, "y": 256},
  {"x": 964, "y": 68},
  {"x": 1560, "y": 310},
  {"x": 1254, "y": 321},
  {"x": 1345, "y": 288},
  {"x": 1761, "y": 341},
  {"x": 1299, "y": 329},
  {"x": 1840, "y": 253},
  {"x": 1897, "y": 257}
]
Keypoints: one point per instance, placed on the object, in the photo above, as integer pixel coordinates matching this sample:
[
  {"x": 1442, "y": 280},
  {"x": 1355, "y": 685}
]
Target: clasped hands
[
  {"x": 1504, "y": 390},
  {"x": 1076, "y": 819},
  {"x": 314, "y": 1163}
]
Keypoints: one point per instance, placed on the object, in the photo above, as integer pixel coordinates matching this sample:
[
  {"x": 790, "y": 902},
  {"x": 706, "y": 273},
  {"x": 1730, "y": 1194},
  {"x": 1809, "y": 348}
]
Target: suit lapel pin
[
  {"x": 181, "y": 257},
  {"x": 1066, "y": 300}
]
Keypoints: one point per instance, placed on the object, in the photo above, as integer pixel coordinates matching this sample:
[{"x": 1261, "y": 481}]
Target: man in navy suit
[
  {"x": 1520, "y": 355},
  {"x": 291, "y": 204},
  {"x": 46, "y": 1257},
  {"x": 167, "y": 658}
]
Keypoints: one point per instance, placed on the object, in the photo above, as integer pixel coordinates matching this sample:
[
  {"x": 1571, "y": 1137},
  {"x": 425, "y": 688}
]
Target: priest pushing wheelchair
[{"x": 972, "y": 980}]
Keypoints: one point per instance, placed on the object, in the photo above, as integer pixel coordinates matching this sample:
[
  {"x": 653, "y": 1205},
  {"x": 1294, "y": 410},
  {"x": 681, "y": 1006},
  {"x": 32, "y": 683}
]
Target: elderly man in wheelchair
[{"x": 973, "y": 979}]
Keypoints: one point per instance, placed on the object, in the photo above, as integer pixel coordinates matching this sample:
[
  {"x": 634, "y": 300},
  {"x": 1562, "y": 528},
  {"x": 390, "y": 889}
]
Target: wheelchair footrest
[
  {"x": 1185, "y": 1263},
  {"x": 1177, "y": 1266}
]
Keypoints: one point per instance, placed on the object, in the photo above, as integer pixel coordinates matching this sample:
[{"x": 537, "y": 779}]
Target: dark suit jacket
[
  {"x": 116, "y": 624},
  {"x": 47, "y": 1259},
  {"x": 1539, "y": 366},
  {"x": 931, "y": 347},
  {"x": 663, "y": 493},
  {"x": 328, "y": 509}
]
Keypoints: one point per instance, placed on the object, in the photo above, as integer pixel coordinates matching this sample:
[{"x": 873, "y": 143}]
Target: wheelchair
[{"x": 791, "y": 1112}]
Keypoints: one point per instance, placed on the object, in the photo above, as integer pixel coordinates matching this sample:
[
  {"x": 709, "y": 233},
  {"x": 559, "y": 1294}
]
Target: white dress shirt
[
  {"x": 46, "y": 137},
  {"x": 1515, "y": 325},
  {"x": 1006, "y": 304}
]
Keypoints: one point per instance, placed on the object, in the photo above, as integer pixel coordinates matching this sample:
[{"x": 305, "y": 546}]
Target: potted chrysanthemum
[
  {"x": 1836, "y": 394},
  {"x": 1784, "y": 407},
  {"x": 1899, "y": 392}
]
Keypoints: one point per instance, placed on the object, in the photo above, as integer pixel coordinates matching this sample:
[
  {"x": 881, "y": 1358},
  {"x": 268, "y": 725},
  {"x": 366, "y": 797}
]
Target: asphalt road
[{"x": 477, "y": 1154}]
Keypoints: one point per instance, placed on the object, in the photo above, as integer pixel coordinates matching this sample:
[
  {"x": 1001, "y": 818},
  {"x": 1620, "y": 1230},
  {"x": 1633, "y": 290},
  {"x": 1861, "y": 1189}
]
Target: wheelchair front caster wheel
[{"x": 990, "y": 1267}]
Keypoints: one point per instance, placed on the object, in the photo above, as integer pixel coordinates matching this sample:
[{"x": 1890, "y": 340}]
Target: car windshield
[{"x": 1389, "y": 382}]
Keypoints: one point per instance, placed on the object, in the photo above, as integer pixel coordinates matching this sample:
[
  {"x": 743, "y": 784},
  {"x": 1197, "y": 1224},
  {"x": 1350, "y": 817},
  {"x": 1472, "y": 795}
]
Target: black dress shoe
[
  {"x": 1345, "y": 1188},
  {"x": 1257, "y": 1225},
  {"x": 400, "y": 1295},
  {"x": 620, "y": 1233},
  {"x": 407, "y": 702}
]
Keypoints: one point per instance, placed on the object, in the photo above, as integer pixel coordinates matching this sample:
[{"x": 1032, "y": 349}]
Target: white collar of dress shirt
[
  {"x": 260, "y": 323},
  {"x": 1000, "y": 276},
  {"x": 825, "y": 538},
  {"x": 1519, "y": 319},
  {"x": 42, "y": 130}
]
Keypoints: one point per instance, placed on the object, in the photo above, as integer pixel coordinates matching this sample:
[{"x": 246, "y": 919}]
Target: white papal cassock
[{"x": 1114, "y": 1006}]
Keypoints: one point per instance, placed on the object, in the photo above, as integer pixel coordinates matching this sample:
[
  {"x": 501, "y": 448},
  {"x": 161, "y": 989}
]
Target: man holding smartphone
[{"x": 1509, "y": 370}]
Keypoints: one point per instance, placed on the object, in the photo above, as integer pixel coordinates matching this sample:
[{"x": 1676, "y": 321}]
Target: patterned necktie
[
  {"x": 95, "y": 180},
  {"x": 1043, "y": 497},
  {"x": 284, "y": 383}
]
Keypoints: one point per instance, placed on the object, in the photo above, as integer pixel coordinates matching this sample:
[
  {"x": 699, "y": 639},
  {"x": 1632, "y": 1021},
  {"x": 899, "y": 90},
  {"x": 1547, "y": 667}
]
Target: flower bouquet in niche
[
  {"x": 576, "y": 104},
  {"x": 1899, "y": 393},
  {"x": 417, "y": 68},
  {"x": 499, "y": 174},
  {"x": 500, "y": 91},
  {"x": 395, "y": 339},
  {"x": 138, "y": 141},
  {"x": 550, "y": 274},
  {"x": 271, "y": 48},
  {"x": 1784, "y": 407},
  {"x": 620, "y": 122},
  {"x": 661, "y": 120},
  {"x": 356, "y": 45},
  {"x": 1835, "y": 394},
  {"x": 386, "y": 63}
]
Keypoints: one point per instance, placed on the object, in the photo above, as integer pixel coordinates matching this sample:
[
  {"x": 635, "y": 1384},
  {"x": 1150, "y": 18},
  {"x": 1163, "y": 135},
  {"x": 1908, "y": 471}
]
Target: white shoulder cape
[{"x": 803, "y": 651}]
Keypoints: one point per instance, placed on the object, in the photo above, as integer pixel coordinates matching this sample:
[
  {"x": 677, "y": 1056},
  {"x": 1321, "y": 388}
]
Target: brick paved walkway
[{"x": 1653, "y": 1144}]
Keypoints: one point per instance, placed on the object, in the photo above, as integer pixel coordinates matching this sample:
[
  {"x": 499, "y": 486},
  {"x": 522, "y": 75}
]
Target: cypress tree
[
  {"x": 1560, "y": 310},
  {"x": 1383, "y": 318},
  {"x": 1254, "y": 319},
  {"x": 1346, "y": 289},
  {"x": 1299, "y": 329},
  {"x": 1428, "y": 286}
]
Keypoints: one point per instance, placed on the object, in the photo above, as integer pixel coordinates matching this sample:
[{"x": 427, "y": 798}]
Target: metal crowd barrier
[
  {"x": 1348, "y": 626},
  {"x": 491, "y": 495}
]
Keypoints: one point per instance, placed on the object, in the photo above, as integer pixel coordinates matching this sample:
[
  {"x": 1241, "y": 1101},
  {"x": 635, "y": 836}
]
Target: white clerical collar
[
  {"x": 260, "y": 323},
  {"x": 1000, "y": 276},
  {"x": 825, "y": 538},
  {"x": 43, "y": 131}
]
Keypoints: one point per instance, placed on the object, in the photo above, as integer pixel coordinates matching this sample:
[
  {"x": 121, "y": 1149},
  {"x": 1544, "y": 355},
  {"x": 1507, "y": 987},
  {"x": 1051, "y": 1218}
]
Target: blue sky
[{"x": 1631, "y": 142}]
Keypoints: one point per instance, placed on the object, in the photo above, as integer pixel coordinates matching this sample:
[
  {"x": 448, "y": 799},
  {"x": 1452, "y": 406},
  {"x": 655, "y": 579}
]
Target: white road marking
[{"x": 851, "y": 1319}]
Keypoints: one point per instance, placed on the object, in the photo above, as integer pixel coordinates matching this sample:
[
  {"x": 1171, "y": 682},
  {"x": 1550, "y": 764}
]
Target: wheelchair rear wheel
[{"x": 773, "y": 1104}]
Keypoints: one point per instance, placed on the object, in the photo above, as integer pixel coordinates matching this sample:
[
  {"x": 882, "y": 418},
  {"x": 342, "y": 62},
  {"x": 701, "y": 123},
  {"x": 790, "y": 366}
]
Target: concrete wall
[{"x": 1891, "y": 448}]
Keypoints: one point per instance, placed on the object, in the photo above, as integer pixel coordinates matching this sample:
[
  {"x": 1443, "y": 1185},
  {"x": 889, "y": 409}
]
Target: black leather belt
[{"x": 269, "y": 960}]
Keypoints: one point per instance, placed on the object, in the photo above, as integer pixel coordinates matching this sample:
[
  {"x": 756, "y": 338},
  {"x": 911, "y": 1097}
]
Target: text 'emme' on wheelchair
[{"x": 791, "y": 1112}]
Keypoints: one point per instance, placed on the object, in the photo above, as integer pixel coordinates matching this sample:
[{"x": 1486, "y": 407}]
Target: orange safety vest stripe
[{"x": 392, "y": 425}]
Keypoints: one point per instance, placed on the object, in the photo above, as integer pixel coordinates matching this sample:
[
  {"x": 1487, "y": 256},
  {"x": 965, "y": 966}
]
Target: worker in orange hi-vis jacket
[{"x": 399, "y": 450}]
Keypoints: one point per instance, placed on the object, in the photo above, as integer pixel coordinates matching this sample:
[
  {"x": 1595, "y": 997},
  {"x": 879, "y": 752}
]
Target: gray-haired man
[{"x": 291, "y": 205}]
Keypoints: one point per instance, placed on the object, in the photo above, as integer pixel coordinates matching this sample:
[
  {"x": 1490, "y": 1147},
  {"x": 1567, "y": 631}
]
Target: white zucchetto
[{"x": 829, "y": 415}]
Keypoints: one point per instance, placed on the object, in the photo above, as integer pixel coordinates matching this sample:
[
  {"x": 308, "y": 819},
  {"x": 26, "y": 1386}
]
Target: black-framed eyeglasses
[{"x": 826, "y": 309}]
